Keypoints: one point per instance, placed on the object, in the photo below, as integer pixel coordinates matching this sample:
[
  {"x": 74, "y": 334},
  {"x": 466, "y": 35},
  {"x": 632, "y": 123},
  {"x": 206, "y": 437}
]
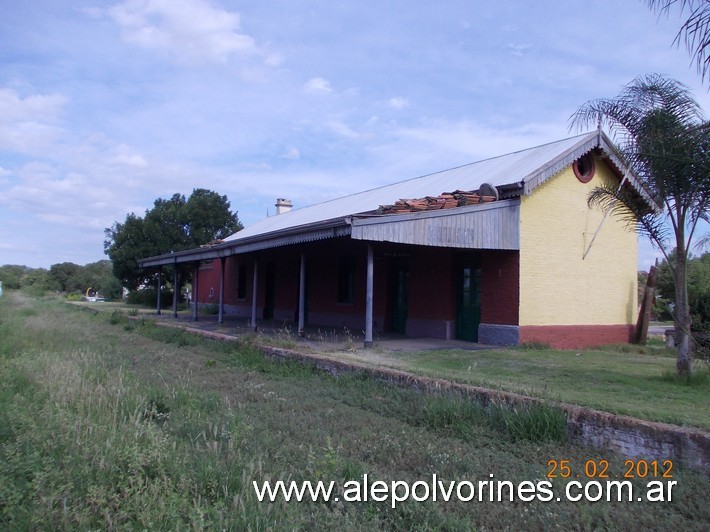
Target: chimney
[{"x": 283, "y": 205}]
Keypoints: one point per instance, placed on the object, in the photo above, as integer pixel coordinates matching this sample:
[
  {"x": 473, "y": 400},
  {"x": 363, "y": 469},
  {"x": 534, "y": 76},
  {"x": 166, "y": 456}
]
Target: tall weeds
[
  {"x": 84, "y": 445},
  {"x": 463, "y": 417},
  {"x": 110, "y": 423}
]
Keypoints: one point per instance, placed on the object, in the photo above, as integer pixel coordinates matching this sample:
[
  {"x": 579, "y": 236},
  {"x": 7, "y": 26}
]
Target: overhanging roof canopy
[{"x": 488, "y": 226}]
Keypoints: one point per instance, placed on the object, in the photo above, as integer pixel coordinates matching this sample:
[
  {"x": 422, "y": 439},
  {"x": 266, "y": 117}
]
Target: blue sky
[{"x": 107, "y": 105}]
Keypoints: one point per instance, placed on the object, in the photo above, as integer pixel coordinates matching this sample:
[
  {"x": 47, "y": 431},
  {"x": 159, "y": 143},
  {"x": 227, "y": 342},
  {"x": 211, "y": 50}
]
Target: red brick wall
[
  {"x": 431, "y": 289},
  {"x": 500, "y": 287},
  {"x": 576, "y": 336},
  {"x": 209, "y": 278},
  {"x": 323, "y": 259},
  {"x": 286, "y": 268}
]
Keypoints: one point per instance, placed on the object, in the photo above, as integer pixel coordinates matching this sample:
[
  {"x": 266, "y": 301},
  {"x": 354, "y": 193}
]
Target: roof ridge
[{"x": 492, "y": 158}]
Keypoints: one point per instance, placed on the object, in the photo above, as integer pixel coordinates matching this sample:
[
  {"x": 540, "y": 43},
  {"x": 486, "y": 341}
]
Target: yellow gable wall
[{"x": 557, "y": 287}]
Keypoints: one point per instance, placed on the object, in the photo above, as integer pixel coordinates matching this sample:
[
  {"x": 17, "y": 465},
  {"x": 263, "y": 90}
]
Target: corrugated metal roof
[
  {"x": 526, "y": 169},
  {"x": 487, "y": 226},
  {"x": 513, "y": 174}
]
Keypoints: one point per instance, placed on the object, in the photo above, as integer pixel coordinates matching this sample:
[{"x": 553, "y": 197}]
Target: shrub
[
  {"x": 117, "y": 317},
  {"x": 148, "y": 297},
  {"x": 210, "y": 310}
]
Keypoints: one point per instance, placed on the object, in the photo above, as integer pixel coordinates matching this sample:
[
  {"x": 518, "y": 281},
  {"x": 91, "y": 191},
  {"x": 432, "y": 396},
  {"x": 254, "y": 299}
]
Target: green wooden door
[
  {"x": 468, "y": 311},
  {"x": 399, "y": 280}
]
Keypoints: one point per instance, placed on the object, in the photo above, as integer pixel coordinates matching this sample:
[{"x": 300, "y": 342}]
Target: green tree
[
  {"x": 663, "y": 136},
  {"x": 695, "y": 31},
  {"x": 11, "y": 275},
  {"x": 100, "y": 277},
  {"x": 36, "y": 281},
  {"x": 208, "y": 217},
  {"x": 698, "y": 273},
  {"x": 125, "y": 243},
  {"x": 68, "y": 277},
  {"x": 166, "y": 225},
  {"x": 173, "y": 224}
]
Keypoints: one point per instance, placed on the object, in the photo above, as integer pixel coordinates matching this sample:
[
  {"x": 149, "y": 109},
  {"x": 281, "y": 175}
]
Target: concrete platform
[{"x": 315, "y": 338}]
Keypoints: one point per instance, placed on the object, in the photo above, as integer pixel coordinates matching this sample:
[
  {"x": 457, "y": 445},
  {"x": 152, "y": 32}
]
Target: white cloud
[
  {"x": 291, "y": 154},
  {"x": 189, "y": 30},
  {"x": 341, "y": 129},
  {"x": 273, "y": 59},
  {"x": 92, "y": 12},
  {"x": 258, "y": 167},
  {"x": 93, "y": 132},
  {"x": 13, "y": 108},
  {"x": 519, "y": 50},
  {"x": 318, "y": 86},
  {"x": 398, "y": 102},
  {"x": 78, "y": 198},
  {"x": 28, "y": 125},
  {"x": 461, "y": 137},
  {"x": 126, "y": 156},
  {"x": 27, "y": 137},
  {"x": 438, "y": 145},
  {"x": 129, "y": 160}
]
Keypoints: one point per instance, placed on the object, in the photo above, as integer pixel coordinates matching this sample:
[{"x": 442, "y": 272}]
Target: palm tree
[
  {"x": 661, "y": 132},
  {"x": 695, "y": 30}
]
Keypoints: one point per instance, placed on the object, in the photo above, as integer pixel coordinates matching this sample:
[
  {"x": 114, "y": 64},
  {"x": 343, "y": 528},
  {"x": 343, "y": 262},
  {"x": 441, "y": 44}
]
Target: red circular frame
[{"x": 588, "y": 162}]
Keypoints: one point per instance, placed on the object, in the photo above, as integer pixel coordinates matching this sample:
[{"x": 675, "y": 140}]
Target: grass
[
  {"x": 463, "y": 417},
  {"x": 632, "y": 380},
  {"x": 107, "y": 427},
  {"x": 622, "y": 379}
]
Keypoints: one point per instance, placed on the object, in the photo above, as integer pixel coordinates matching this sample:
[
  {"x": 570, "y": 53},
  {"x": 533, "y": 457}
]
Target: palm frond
[
  {"x": 627, "y": 206},
  {"x": 695, "y": 31},
  {"x": 624, "y": 114}
]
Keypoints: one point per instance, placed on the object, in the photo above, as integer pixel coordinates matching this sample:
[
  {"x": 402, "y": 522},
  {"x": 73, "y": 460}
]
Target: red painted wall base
[{"x": 576, "y": 336}]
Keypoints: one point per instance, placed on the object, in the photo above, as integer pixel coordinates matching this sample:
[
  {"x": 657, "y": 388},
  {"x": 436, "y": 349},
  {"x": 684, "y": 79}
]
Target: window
[
  {"x": 346, "y": 279},
  {"x": 584, "y": 168},
  {"x": 242, "y": 281}
]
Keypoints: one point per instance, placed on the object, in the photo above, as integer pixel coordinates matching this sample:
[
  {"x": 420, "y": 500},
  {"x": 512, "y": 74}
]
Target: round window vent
[{"x": 584, "y": 168}]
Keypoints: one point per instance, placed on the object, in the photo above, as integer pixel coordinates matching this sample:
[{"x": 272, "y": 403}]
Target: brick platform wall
[{"x": 576, "y": 336}]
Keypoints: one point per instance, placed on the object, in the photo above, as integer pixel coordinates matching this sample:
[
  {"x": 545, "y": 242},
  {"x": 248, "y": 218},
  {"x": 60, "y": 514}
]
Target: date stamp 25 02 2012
[{"x": 600, "y": 469}]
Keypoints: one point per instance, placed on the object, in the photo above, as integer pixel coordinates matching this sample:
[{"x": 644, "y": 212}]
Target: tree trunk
[
  {"x": 682, "y": 312},
  {"x": 641, "y": 331}
]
